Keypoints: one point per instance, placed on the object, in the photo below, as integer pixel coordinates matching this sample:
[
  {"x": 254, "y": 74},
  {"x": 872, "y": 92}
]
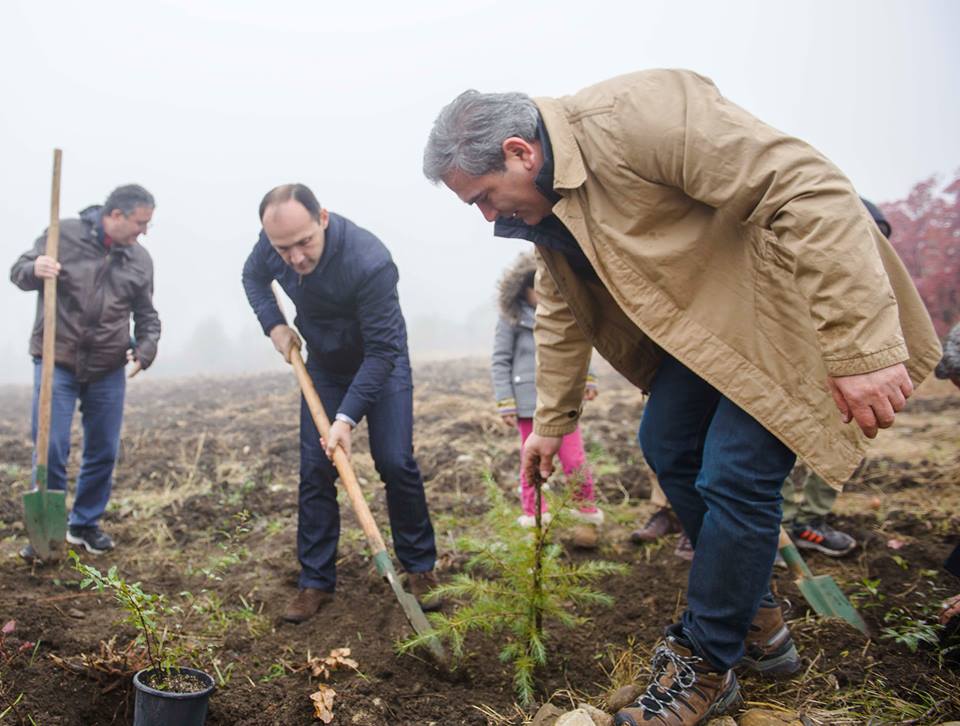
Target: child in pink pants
[{"x": 513, "y": 369}]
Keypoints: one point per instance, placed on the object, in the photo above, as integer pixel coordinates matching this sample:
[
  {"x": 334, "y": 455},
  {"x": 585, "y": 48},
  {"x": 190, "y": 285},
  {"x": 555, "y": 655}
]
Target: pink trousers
[{"x": 574, "y": 463}]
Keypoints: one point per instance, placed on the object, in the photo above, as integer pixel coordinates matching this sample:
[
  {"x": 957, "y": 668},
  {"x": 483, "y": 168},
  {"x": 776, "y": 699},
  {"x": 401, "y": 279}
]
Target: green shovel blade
[
  {"x": 827, "y": 599},
  {"x": 45, "y": 516},
  {"x": 822, "y": 592}
]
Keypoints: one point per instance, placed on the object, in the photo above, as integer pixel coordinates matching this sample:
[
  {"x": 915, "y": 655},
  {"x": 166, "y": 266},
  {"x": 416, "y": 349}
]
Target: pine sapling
[{"x": 516, "y": 587}]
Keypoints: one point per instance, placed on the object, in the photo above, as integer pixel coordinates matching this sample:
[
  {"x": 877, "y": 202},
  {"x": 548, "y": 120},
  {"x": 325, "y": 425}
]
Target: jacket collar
[
  {"x": 333, "y": 242},
  {"x": 568, "y": 169}
]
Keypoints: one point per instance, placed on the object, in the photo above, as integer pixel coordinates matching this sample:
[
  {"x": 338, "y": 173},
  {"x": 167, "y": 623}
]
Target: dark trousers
[
  {"x": 101, "y": 411},
  {"x": 390, "y": 426},
  {"x": 722, "y": 472}
]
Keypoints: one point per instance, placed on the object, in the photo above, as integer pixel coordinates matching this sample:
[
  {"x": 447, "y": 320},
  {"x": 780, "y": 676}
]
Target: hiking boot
[
  {"x": 420, "y": 585},
  {"x": 93, "y": 539},
  {"x": 661, "y": 523},
  {"x": 820, "y": 536},
  {"x": 769, "y": 646},
  {"x": 683, "y": 691},
  {"x": 684, "y": 549},
  {"x": 306, "y": 604}
]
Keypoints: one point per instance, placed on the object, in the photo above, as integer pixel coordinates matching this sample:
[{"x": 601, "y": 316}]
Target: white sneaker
[{"x": 529, "y": 521}]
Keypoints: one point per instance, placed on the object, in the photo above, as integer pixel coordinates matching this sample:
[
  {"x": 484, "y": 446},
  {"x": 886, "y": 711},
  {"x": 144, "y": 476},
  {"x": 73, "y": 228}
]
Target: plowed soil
[{"x": 205, "y": 503}]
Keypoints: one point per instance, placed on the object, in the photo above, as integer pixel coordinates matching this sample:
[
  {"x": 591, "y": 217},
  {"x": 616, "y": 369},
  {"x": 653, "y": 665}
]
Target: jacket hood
[
  {"x": 512, "y": 284},
  {"x": 91, "y": 215}
]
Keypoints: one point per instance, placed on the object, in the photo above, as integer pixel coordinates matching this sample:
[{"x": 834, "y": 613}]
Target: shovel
[
  {"x": 821, "y": 591},
  {"x": 44, "y": 511},
  {"x": 348, "y": 479}
]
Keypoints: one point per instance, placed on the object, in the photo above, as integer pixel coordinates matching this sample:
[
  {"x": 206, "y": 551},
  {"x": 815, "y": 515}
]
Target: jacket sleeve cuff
[
  {"x": 560, "y": 429},
  {"x": 868, "y": 363},
  {"x": 506, "y": 406},
  {"x": 346, "y": 419}
]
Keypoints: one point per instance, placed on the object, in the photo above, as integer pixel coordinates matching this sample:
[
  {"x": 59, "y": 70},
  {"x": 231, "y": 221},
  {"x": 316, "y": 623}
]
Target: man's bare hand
[
  {"x": 339, "y": 435},
  {"x": 46, "y": 268},
  {"x": 537, "y": 457},
  {"x": 132, "y": 358},
  {"x": 510, "y": 419},
  {"x": 283, "y": 337},
  {"x": 872, "y": 399}
]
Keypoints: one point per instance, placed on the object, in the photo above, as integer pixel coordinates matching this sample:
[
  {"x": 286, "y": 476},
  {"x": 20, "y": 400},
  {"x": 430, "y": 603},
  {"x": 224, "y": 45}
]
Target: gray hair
[
  {"x": 468, "y": 134},
  {"x": 127, "y": 198}
]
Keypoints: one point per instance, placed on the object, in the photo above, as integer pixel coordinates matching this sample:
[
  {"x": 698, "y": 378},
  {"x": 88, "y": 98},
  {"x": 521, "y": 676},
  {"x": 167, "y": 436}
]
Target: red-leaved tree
[{"x": 926, "y": 235}]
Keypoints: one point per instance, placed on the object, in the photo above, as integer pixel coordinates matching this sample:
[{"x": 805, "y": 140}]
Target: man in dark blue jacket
[{"x": 343, "y": 283}]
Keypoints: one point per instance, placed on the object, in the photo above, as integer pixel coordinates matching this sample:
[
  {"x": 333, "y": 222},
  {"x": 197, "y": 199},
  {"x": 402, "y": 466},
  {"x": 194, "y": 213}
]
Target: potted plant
[{"x": 166, "y": 693}]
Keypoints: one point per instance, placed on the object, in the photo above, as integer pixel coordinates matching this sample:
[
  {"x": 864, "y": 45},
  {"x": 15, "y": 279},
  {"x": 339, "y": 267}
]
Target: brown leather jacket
[{"x": 97, "y": 291}]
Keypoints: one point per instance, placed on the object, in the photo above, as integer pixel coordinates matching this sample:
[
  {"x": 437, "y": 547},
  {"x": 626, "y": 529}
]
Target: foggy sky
[{"x": 209, "y": 103}]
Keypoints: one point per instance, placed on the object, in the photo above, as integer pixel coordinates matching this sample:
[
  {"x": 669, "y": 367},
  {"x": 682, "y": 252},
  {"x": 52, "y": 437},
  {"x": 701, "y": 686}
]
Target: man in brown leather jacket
[{"x": 103, "y": 277}]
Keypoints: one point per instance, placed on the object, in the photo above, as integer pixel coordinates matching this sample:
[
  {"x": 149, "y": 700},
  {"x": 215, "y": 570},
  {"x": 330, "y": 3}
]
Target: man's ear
[
  {"x": 324, "y": 218},
  {"x": 516, "y": 148}
]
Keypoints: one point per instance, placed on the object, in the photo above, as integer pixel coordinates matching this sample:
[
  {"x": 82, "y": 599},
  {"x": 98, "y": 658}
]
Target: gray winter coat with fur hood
[{"x": 514, "y": 353}]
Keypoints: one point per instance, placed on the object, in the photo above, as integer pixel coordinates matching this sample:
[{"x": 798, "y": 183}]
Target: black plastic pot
[{"x": 165, "y": 708}]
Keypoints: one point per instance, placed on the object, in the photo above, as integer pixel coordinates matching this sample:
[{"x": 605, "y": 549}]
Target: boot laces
[{"x": 655, "y": 699}]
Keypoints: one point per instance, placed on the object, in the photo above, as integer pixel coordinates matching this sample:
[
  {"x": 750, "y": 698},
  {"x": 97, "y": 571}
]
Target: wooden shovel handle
[
  {"x": 340, "y": 459},
  {"x": 49, "y": 324}
]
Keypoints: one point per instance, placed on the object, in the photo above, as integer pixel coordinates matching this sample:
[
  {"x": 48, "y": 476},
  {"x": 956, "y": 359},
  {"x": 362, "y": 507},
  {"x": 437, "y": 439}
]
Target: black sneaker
[
  {"x": 820, "y": 536},
  {"x": 93, "y": 539}
]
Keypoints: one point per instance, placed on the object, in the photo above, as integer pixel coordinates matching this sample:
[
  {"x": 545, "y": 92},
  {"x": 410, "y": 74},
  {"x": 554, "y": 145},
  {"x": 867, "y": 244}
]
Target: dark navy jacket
[{"x": 348, "y": 311}]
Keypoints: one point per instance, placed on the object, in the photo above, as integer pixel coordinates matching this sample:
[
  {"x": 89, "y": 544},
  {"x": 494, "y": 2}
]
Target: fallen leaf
[
  {"x": 9, "y": 627},
  {"x": 323, "y": 703}
]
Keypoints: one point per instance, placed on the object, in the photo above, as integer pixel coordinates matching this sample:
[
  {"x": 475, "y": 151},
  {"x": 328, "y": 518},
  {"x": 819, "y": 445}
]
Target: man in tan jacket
[{"x": 731, "y": 271}]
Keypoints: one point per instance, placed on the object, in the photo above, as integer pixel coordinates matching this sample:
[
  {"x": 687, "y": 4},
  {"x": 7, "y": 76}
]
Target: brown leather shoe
[
  {"x": 683, "y": 690},
  {"x": 684, "y": 549},
  {"x": 420, "y": 584},
  {"x": 770, "y": 650},
  {"x": 660, "y": 524},
  {"x": 306, "y": 604}
]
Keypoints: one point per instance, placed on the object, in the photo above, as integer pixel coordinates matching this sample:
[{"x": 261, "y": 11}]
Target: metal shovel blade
[
  {"x": 411, "y": 608},
  {"x": 45, "y": 518},
  {"x": 827, "y": 599},
  {"x": 821, "y": 592}
]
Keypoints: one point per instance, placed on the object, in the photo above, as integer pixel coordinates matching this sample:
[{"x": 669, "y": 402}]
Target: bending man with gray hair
[
  {"x": 103, "y": 277},
  {"x": 729, "y": 270}
]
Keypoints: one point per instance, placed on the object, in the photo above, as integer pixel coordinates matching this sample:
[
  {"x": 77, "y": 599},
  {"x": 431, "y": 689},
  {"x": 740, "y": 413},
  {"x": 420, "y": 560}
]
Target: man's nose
[
  {"x": 296, "y": 256},
  {"x": 488, "y": 212}
]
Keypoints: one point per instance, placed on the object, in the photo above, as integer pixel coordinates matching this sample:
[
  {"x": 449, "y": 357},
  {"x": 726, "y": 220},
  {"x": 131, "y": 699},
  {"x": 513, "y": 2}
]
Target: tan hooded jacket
[{"x": 741, "y": 251}]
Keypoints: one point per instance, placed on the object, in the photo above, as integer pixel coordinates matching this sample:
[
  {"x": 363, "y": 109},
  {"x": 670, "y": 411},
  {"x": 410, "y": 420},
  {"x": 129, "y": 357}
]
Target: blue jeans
[
  {"x": 722, "y": 473},
  {"x": 101, "y": 411},
  {"x": 390, "y": 426}
]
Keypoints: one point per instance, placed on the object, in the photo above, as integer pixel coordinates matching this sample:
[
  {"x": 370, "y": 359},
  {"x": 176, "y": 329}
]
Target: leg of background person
[
  {"x": 318, "y": 514},
  {"x": 101, "y": 411},
  {"x": 528, "y": 495},
  {"x": 672, "y": 433},
  {"x": 63, "y": 404},
  {"x": 573, "y": 459},
  {"x": 744, "y": 467},
  {"x": 390, "y": 423},
  {"x": 657, "y": 498},
  {"x": 818, "y": 499},
  {"x": 791, "y": 493}
]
